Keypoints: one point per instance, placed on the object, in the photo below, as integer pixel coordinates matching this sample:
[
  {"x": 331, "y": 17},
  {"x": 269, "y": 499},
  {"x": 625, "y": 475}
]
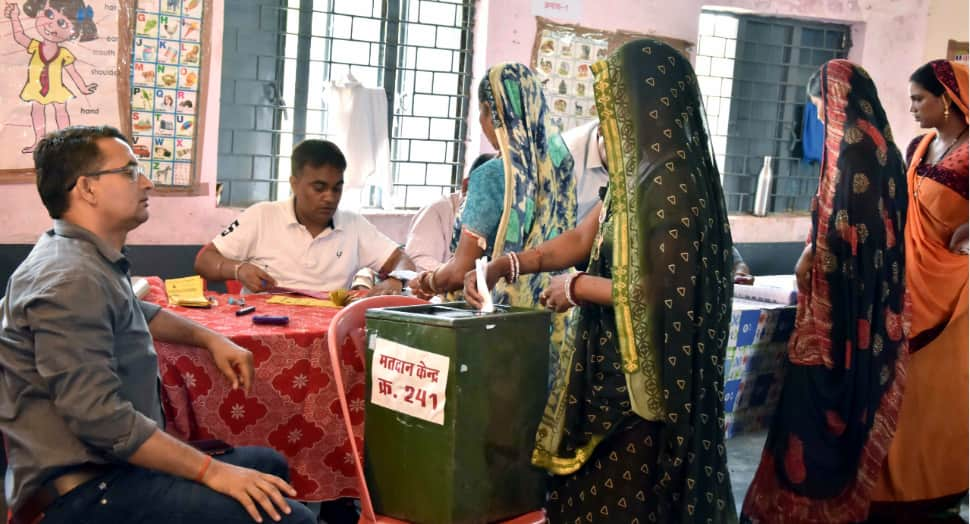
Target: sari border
[{"x": 621, "y": 240}]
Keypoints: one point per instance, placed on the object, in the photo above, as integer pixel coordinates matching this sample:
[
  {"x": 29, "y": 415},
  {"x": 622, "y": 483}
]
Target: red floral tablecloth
[{"x": 292, "y": 406}]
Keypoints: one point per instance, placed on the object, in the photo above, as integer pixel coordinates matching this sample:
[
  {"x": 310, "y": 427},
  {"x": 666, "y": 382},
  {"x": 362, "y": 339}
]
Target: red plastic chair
[
  {"x": 351, "y": 322},
  {"x": 233, "y": 287}
]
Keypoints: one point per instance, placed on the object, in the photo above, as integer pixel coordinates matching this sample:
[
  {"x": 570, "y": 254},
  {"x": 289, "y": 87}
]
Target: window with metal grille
[
  {"x": 752, "y": 71},
  {"x": 280, "y": 54}
]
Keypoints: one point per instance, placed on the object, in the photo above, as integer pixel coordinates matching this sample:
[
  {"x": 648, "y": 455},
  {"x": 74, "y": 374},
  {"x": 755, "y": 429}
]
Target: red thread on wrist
[{"x": 205, "y": 467}]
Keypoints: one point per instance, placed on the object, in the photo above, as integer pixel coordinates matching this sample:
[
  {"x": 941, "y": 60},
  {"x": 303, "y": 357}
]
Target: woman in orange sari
[{"x": 925, "y": 474}]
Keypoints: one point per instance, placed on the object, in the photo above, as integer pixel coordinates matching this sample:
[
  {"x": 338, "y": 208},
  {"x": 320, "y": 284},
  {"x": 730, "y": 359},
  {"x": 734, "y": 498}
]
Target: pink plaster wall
[{"x": 889, "y": 38}]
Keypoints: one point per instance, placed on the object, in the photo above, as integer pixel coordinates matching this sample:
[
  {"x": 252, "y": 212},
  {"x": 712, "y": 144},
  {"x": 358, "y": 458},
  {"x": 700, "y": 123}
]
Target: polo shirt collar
[
  {"x": 291, "y": 217},
  {"x": 67, "y": 229}
]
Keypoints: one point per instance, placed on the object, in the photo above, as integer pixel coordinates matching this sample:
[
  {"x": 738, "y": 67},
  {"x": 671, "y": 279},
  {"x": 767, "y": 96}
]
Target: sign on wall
[
  {"x": 562, "y": 56},
  {"x": 166, "y": 76},
  {"x": 138, "y": 65},
  {"x": 957, "y": 51},
  {"x": 564, "y": 10},
  {"x": 61, "y": 67}
]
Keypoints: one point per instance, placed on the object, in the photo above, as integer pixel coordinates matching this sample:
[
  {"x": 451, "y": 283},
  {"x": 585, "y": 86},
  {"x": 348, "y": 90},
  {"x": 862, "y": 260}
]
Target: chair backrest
[
  {"x": 351, "y": 322},
  {"x": 234, "y": 287}
]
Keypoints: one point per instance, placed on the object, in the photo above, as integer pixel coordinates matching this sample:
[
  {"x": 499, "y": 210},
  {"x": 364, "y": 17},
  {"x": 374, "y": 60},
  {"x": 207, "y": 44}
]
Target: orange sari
[{"x": 928, "y": 457}]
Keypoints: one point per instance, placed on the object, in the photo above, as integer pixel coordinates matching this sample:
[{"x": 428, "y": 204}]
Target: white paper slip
[
  {"x": 403, "y": 274},
  {"x": 487, "y": 305}
]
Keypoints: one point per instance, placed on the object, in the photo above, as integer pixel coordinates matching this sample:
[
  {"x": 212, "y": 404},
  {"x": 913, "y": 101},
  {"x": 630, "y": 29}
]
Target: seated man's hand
[
  {"x": 250, "y": 487},
  {"x": 235, "y": 362},
  {"x": 390, "y": 286},
  {"x": 254, "y": 278}
]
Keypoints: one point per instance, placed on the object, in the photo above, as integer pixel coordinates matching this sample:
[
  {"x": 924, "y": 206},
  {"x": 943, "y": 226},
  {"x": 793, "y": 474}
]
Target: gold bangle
[{"x": 431, "y": 284}]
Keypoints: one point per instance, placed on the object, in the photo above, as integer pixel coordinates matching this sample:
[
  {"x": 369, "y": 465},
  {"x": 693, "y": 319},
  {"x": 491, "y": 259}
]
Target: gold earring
[{"x": 946, "y": 112}]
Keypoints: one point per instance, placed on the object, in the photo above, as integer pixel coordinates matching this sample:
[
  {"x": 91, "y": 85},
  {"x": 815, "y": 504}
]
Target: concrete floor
[{"x": 744, "y": 453}]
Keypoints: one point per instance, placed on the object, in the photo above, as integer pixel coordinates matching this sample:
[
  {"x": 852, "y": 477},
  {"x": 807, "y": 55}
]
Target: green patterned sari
[{"x": 638, "y": 403}]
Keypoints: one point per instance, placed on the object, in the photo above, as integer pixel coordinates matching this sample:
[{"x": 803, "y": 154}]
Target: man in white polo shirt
[
  {"x": 589, "y": 167},
  {"x": 304, "y": 242}
]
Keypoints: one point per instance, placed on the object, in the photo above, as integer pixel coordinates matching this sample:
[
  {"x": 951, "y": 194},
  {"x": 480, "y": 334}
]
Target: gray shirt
[{"x": 78, "y": 369}]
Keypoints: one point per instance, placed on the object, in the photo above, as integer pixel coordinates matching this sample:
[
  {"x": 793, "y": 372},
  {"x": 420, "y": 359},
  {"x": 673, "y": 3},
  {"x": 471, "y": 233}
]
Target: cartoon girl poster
[{"x": 68, "y": 75}]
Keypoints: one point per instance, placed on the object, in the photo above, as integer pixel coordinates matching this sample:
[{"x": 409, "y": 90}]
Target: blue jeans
[{"x": 130, "y": 494}]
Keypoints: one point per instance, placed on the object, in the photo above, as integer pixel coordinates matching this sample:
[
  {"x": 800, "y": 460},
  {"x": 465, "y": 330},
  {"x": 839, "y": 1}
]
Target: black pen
[{"x": 245, "y": 310}]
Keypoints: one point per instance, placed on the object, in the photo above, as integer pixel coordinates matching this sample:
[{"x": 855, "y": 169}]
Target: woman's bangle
[
  {"x": 569, "y": 287},
  {"x": 204, "y": 468},
  {"x": 431, "y": 285},
  {"x": 514, "y": 267}
]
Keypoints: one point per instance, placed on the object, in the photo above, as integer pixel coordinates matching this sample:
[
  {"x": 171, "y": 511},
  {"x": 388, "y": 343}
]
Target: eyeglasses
[{"x": 132, "y": 171}]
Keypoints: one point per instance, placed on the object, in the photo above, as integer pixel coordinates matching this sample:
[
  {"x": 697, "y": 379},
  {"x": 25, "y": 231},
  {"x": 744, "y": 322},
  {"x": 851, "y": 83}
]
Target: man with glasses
[{"x": 79, "y": 400}]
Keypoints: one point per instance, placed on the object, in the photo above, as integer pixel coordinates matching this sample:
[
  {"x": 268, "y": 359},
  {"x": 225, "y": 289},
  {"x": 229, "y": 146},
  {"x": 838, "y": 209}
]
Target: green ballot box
[{"x": 454, "y": 398}]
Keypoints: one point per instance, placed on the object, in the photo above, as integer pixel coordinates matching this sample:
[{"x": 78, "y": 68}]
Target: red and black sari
[{"x": 845, "y": 367}]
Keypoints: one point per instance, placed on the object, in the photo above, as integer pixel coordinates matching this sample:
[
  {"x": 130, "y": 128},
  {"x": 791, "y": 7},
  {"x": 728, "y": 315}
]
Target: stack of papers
[{"x": 186, "y": 292}]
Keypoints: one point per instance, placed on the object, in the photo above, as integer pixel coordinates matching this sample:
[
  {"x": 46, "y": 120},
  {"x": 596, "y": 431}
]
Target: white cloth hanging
[{"x": 357, "y": 123}]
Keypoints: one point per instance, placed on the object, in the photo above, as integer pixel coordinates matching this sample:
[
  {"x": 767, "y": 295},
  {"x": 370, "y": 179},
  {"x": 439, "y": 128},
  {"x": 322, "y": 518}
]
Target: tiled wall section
[{"x": 246, "y": 116}]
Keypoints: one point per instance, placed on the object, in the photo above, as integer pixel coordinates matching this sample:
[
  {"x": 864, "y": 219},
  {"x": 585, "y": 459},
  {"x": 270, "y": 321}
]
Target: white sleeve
[
  {"x": 373, "y": 247},
  {"x": 426, "y": 240},
  {"x": 238, "y": 240}
]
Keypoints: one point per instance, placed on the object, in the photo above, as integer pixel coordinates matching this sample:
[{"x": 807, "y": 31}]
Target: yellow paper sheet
[
  {"x": 187, "y": 292},
  {"x": 300, "y": 301}
]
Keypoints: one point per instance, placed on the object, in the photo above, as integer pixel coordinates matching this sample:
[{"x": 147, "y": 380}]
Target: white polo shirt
[
  {"x": 268, "y": 235},
  {"x": 589, "y": 172}
]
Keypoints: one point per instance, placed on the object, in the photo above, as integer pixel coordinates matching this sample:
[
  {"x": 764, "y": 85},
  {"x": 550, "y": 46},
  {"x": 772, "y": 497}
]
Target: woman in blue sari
[{"x": 516, "y": 201}]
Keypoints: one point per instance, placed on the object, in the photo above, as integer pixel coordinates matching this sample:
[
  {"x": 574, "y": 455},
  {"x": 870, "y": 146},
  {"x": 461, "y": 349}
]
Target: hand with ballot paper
[{"x": 560, "y": 253}]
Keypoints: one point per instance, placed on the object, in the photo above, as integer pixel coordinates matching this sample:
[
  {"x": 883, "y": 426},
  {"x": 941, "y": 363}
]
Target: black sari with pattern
[{"x": 634, "y": 428}]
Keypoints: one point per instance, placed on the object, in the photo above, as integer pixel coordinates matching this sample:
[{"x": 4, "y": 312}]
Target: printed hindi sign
[
  {"x": 564, "y": 10},
  {"x": 409, "y": 380}
]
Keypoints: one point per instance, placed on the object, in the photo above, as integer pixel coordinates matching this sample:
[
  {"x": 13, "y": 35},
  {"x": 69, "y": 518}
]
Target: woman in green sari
[
  {"x": 633, "y": 430},
  {"x": 516, "y": 201}
]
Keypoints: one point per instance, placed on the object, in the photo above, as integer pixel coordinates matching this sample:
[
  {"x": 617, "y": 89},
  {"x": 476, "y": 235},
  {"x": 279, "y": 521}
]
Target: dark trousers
[{"x": 133, "y": 495}]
